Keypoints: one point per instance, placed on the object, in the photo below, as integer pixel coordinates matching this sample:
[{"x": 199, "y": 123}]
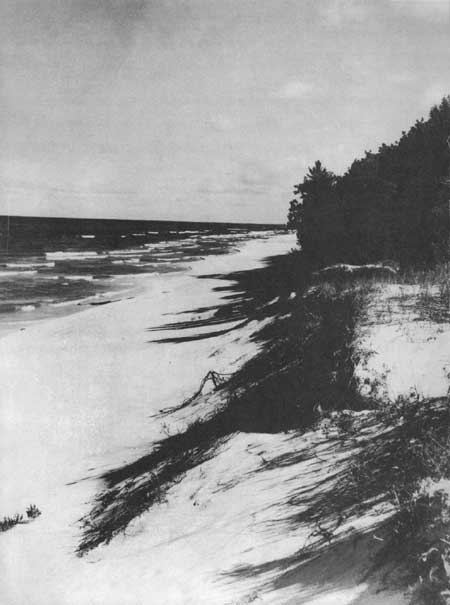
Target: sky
[{"x": 204, "y": 109}]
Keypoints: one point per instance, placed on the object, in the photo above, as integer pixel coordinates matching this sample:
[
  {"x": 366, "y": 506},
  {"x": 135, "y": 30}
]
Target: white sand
[
  {"x": 76, "y": 399},
  {"x": 77, "y": 395},
  {"x": 407, "y": 355}
]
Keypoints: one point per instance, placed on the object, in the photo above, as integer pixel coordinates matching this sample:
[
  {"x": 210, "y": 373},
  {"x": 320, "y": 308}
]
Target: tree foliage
[{"x": 393, "y": 204}]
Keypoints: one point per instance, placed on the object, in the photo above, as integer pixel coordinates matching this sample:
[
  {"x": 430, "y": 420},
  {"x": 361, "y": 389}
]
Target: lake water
[{"x": 51, "y": 267}]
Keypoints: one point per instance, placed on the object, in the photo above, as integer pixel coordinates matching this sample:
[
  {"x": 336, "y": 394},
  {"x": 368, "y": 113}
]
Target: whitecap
[
  {"x": 17, "y": 273},
  {"x": 27, "y": 308},
  {"x": 88, "y": 255}
]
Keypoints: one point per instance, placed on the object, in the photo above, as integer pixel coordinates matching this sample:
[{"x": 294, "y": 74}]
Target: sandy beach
[
  {"x": 78, "y": 394},
  {"x": 82, "y": 397}
]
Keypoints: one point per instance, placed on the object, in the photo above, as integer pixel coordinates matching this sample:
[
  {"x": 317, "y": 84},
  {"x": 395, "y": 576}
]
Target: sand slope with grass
[
  {"x": 249, "y": 493},
  {"x": 78, "y": 394}
]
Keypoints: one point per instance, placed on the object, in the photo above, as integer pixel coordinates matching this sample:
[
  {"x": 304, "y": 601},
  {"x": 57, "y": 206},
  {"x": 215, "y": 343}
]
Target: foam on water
[
  {"x": 29, "y": 265},
  {"x": 61, "y": 255},
  {"x": 55, "y": 266},
  {"x": 28, "y": 308},
  {"x": 23, "y": 273}
]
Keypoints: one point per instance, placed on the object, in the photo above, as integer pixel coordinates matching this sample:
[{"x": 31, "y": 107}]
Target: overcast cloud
[{"x": 203, "y": 109}]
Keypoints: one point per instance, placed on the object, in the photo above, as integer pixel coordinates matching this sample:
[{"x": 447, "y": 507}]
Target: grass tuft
[{"x": 9, "y": 522}]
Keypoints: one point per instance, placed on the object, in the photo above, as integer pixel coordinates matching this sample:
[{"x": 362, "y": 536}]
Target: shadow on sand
[
  {"x": 247, "y": 295},
  {"x": 368, "y": 517},
  {"x": 307, "y": 357}
]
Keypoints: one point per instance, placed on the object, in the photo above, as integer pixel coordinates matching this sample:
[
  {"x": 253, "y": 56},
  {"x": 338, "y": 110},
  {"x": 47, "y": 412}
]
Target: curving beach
[{"x": 78, "y": 395}]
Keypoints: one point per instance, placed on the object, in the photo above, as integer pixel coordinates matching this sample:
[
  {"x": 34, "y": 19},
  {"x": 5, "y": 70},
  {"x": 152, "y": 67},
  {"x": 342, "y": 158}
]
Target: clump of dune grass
[
  {"x": 432, "y": 299},
  {"x": 9, "y": 522},
  {"x": 32, "y": 512}
]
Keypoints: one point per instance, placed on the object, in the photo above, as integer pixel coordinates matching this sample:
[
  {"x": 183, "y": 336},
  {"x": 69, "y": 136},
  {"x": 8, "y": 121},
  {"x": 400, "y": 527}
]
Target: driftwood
[{"x": 217, "y": 379}]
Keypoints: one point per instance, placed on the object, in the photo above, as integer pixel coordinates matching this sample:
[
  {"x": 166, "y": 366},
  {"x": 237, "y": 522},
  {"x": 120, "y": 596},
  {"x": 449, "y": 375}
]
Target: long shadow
[
  {"x": 247, "y": 295},
  {"x": 407, "y": 444},
  {"x": 203, "y": 336},
  {"x": 342, "y": 563},
  {"x": 307, "y": 358}
]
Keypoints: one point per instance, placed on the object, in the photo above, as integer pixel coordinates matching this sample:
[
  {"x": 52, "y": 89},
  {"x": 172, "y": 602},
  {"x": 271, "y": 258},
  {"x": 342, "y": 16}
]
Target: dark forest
[{"x": 392, "y": 205}]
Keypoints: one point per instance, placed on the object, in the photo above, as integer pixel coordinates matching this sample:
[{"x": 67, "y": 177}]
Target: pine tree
[{"x": 393, "y": 204}]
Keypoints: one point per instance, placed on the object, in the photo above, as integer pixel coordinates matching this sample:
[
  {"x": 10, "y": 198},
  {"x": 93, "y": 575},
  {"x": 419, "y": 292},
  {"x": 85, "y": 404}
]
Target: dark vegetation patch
[
  {"x": 9, "y": 522},
  {"x": 32, "y": 512},
  {"x": 391, "y": 204}
]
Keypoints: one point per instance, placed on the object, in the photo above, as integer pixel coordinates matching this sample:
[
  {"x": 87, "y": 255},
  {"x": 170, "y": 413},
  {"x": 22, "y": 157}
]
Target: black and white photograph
[{"x": 225, "y": 302}]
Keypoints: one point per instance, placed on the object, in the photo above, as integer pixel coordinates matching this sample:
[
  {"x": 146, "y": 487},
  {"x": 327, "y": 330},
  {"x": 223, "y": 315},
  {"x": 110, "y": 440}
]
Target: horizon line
[{"x": 144, "y": 220}]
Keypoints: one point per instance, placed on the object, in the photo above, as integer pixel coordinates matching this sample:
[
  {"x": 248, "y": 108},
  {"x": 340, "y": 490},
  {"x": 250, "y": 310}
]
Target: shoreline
[
  {"x": 78, "y": 396},
  {"x": 241, "y": 492},
  {"x": 90, "y": 277}
]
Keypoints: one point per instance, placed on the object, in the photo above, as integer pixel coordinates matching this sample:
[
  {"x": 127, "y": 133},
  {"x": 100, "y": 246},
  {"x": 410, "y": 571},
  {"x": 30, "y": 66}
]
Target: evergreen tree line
[{"x": 390, "y": 205}]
